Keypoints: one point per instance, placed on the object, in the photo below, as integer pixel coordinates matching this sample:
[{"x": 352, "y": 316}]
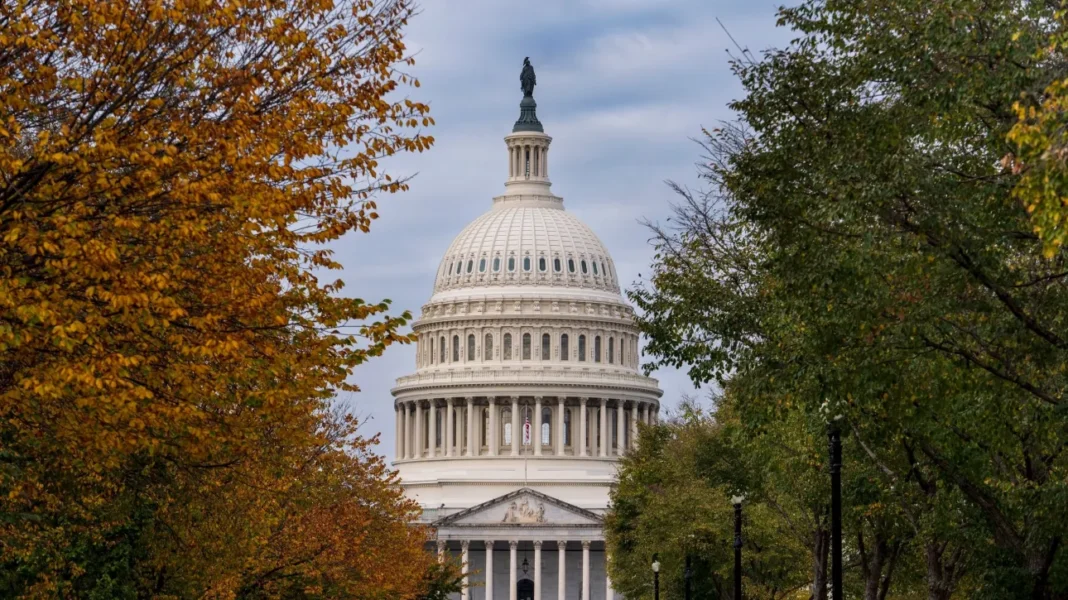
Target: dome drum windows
[
  {"x": 582, "y": 348},
  {"x": 556, "y": 265},
  {"x": 611, "y": 350},
  {"x": 570, "y": 265},
  {"x": 565, "y": 349},
  {"x": 597, "y": 349},
  {"x": 542, "y": 264},
  {"x": 471, "y": 347},
  {"x": 507, "y": 346},
  {"x": 482, "y": 265},
  {"x": 526, "y": 346},
  {"x": 594, "y": 267},
  {"x": 496, "y": 264},
  {"x": 545, "y": 343},
  {"x": 441, "y": 349},
  {"x": 526, "y": 263},
  {"x": 584, "y": 267},
  {"x": 455, "y": 348},
  {"x": 470, "y": 265},
  {"x": 511, "y": 264},
  {"x": 487, "y": 347}
]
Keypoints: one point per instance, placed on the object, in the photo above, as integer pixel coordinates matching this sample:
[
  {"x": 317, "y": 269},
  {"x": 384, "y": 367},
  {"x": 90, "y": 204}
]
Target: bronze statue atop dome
[{"x": 527, "y": 80}]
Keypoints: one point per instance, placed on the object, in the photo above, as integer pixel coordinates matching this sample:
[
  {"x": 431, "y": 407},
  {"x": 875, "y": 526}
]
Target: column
[
  {"x": 407, "y": 430},
  {"x": 537, "y": 569},
  {"x": 582, "y": 427},
  {"x": 604, "y": 432},
  {"x": 489, "y": 569},
  {"x": 561, "y": 550},
  {"x": 398, "y": 432},
  {"x": 517, "y": 435},
  {"x": 465, "y": 568},
  {"x": 471, "y": 426},
  {"x": 512, "y": 567},
  {"x": 535, "y": 437},
  {"x": 449, "y": 426},
  {"x": 493, "y": 435},
  {"x": 418, "y": 451},
  {"x": 634, "y": 425},
  {"x": 561, "y": 407},
  {"x": 585, "y": 569},
  {"x": 621, "y": 429},
  {"x": 432, "y": 423}
]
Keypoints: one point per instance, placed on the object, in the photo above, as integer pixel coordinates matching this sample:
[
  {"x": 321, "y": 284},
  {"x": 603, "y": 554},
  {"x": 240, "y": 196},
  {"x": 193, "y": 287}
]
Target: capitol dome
[{"x": 527, "y": 388}]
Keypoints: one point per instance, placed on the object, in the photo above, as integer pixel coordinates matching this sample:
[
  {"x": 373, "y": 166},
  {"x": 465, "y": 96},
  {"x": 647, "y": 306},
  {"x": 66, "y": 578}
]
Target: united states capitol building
[{"x": 526, "y": 392}]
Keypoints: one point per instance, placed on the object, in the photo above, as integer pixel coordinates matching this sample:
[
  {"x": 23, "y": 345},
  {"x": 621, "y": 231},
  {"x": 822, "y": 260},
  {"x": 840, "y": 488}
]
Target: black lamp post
[
  {"x": 835, "y": 443},
  {"x": 687, "y": 575},
  {"x": 737, "y": 501},
  {"x": 656, "y": 578}
]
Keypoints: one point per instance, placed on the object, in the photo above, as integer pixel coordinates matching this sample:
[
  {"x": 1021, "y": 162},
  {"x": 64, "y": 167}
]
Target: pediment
[{"x": 523, "y": 507}]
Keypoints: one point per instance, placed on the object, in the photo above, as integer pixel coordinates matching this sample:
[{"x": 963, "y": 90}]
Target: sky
[{"x": 624, "y": 88}]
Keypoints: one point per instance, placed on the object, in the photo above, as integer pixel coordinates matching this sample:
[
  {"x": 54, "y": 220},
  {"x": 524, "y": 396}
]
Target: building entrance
[{"x": 524, "y": 589}]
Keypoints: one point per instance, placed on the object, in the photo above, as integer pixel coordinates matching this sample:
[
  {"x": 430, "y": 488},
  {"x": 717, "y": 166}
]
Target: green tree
[{"x": 860, "y": 255}]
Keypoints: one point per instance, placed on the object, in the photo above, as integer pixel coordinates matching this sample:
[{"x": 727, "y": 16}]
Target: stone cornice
[{"x": 541, "y": 379}]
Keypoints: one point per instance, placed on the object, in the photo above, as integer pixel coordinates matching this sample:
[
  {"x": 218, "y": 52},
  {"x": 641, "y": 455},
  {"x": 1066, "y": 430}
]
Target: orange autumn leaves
[{"x": 169, "y": 171}]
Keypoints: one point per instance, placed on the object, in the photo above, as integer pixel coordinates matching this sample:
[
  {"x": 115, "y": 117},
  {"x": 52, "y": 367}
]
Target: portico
[{"x": 524, "y": 542}]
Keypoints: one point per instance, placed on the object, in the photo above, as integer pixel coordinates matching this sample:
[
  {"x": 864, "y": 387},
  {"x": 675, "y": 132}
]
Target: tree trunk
[
  {"x": 820, "y": 554},
  {"x": 943, "y": 572}
]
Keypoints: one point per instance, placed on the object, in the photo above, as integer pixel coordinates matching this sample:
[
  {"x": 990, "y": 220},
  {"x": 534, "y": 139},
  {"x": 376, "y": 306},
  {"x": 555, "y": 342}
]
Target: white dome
[{"x": 527, "y": 241}]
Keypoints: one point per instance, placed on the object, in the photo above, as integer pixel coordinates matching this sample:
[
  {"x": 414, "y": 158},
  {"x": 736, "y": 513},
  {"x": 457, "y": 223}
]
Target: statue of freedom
[{"x": 527, "y": 80}]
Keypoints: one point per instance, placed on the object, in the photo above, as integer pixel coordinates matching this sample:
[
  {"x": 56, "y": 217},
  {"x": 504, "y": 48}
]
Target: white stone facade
[{"x": 527, "y": 390}]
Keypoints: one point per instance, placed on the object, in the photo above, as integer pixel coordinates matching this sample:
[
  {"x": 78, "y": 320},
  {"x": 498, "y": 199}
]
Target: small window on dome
[
  {"x": 556, "y": 265},
  {"x": 570, "y": 265},
  {"x": 496, "y": 264},
  {"x": 482, "y": 265},
  {"x": 594, "y": 267},
  {"x": 545, "y": 342},
  {"x": 459, "y": 266},
  {"x": 541, "y": 263},
  {"x": 584, "y": 268},
  {"x": 604, "y": 270},
  {"x": 526, "y": 346},
  {"x": 526, "y": 263},
  {"x": 470, "y": 265},
  {"x": 511, "y": 263}
]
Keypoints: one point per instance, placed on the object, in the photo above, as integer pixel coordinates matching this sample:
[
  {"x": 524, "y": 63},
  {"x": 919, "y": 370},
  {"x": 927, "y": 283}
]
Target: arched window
[
  {"x": 571, "y": 265},
  {"x": 459, "y": 267},
  {"x": 481, "y": 265},
  {"x": 565, "y": 348},
  {"x": 597, "y": 349},
  {"x": 487, "y": 347},
  {"x": 604, "y": 270},
  {"x": 507, "y": 346},
  {"x": 611, "y": 350},
  {"x": 594, "y": 267},
  {"x": 511, "y": 263},
  {"x": 470, "y": 346},
  {"x": 526, "y": 263},
  {"x": 582, "y": 348},
  {"x": 470, "y": 265},
  {"x": 546, "y": 426},
  {"x": 541, "y": 263},
  {"x": 584, "y": 268},
  {"x": 496, "y": 264},
  {"x": 441, "y": 349},
  {"x": 506, "y": 426},
  {"x": 545, "y": 341},
  {"x": 431, "y": 350},
  {"x": 567, "y": 426},
  {"x": 526, "y": 346},
  {"x": 455, "y": 348},
  {"x": 556, "y": 265}
]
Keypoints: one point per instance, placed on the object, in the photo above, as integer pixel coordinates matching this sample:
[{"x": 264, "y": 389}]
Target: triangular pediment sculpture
[{"x": 523, "y": 507}]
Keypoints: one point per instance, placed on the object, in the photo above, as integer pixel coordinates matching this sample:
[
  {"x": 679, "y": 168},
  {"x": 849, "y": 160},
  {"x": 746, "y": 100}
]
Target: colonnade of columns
[
  {"x": 515, "y": 426},
  {"x": 513, "y": 569}
]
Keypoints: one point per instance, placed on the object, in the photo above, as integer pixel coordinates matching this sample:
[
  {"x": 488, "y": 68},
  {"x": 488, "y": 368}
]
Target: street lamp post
[
  {"x": 737, "y": 501},
  {"x": 687, "y": 576},
  {"x": 656, "y": 578},
  {"x": 835, "y": 443}
]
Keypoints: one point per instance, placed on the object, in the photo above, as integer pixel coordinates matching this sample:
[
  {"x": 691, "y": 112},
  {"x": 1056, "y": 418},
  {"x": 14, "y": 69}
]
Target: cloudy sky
[{"x": 623, "y": 87}]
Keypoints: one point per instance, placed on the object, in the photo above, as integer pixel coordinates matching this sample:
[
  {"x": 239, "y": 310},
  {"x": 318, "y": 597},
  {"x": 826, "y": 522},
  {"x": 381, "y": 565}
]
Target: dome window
[
  {"x": 455, "y": 348},
  {"x": 507, "y": 347},
  {"x": 526, "y": 263},
  {"x": 526, "y": 346},
  {"x": 556, "y": 265},
  {"x": 487, "y": 348},
  {"x": 471, "y": 347},
  {"x": 541, "y": 264},
  {"x": 496, "y": 264},
  {"x": 482, "y": 265},
  {"x": 459, "y": 266},
  {"x": 611, "y": 350},
  {"x": 585, "y": 269},
  {"x": 604, "y": 270},
  {"x": 582, "y": 348},
  {"x": 570, "y": 265},
  {"x": 594, "y": 267},
  {"x": 546, "y": 427},
  {"x": 441, "y": 349},
  {"x": 545, "y": 342},
  {"x": 565, "y": 348},
  {"x": 511, "y": 264},
  {"x": 597, "y": 349}
]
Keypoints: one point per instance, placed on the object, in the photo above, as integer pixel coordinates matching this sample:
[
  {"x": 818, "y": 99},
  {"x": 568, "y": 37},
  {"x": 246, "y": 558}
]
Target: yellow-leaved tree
[{"x": 170, "y": 170}]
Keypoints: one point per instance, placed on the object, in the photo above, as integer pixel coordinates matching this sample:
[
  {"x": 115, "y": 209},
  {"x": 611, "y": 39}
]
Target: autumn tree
[
  {"x": 170, "y": 172},
  {"x": 866, "y": 252}
]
